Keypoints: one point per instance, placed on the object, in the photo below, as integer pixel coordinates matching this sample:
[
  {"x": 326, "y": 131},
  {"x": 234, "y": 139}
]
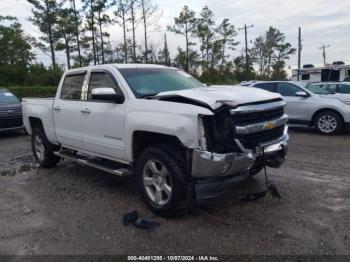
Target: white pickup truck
[{"x": 182, "y": 139}]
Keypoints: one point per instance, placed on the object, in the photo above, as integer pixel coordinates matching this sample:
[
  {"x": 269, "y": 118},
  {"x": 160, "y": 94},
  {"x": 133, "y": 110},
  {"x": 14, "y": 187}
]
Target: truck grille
[
  {"x": 10, "y": 117},
  {"x": 251, "y": 141},
  {"x": 244, "y": 119}
]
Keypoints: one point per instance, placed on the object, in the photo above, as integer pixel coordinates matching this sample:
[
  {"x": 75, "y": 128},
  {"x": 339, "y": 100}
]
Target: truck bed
[{"x": 40, "y": 108}]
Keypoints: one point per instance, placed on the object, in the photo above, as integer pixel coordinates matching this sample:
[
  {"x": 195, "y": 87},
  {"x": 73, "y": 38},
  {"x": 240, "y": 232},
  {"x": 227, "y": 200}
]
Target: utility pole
[
  {"x": 300, "y": 47},
  {"x": 93, "y": 30},
  {"x": 323, "y": 48},
  {"x": 246, "y": 50}
]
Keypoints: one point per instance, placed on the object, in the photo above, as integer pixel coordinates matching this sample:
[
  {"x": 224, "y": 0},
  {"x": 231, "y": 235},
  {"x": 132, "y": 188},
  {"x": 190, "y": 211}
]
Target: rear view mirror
[
  {"x": 301, "y": 94},
  {"x": 107, "y": 94}
]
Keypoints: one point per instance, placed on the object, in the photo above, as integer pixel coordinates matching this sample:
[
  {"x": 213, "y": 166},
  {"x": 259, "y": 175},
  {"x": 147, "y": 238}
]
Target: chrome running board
[{"x": 98, "y": 163}]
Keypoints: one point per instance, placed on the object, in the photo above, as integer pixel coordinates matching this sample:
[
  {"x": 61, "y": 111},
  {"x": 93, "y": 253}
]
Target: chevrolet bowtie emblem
[{"x": 270, "y": 125}]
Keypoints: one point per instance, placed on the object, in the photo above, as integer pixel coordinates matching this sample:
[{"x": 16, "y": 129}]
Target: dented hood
[{"x": 216, "y": 96}]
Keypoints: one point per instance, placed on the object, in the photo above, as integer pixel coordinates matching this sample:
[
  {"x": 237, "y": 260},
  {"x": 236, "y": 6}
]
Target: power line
[
  {"x": 323, "y": 48},
  {"x": 246, "y": 50}
]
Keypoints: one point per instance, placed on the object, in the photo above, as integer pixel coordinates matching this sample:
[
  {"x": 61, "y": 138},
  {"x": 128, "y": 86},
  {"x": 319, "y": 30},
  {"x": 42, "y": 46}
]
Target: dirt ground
[{"x": 77, "y": 210}]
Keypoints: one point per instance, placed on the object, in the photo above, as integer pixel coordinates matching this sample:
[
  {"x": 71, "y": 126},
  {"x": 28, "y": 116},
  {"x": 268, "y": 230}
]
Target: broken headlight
[
  {"x": 202, "y": 140},
  {"x": 219, "y": 132}
]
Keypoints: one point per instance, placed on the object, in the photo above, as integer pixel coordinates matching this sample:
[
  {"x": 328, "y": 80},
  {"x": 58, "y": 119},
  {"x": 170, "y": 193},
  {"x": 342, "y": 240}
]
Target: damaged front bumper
[{"x": 215, "y": 172}]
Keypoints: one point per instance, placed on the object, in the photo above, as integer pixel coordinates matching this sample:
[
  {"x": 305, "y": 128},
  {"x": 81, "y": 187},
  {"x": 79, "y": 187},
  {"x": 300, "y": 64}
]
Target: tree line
[{"x": 78, "y": 28}]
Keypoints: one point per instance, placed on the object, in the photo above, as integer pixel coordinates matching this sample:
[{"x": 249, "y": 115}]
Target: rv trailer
[{"x": 335, "y": 72}]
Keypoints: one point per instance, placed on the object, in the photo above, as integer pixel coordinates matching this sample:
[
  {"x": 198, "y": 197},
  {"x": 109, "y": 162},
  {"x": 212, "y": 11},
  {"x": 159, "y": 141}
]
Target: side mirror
[
  {"x": 106, "y": 94},
  {"x": 301, "y": 94}
]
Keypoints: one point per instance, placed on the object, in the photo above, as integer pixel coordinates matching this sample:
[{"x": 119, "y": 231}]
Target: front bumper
[
  {"x": 10, "y": 123},
  {"x": 11, "y": 129},
  {"x": 207, "y": 164},
  {"x": 215, "y": 172}
]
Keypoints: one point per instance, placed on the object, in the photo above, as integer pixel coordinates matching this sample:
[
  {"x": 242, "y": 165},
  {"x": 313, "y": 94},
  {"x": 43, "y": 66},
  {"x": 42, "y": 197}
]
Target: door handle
[
  {"x": 57, "y": 108},
  {"x": 86, "y": 111}
]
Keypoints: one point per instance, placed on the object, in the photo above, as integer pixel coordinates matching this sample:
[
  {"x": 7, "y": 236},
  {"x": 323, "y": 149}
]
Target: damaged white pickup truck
[{"x": 182, "y": 140}]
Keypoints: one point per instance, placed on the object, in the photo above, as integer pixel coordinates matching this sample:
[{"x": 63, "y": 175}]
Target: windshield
[
  {"x": 7, "y": 97},
  {"x": 151, "y": 81},
  {"x": 317, "y": 89}
]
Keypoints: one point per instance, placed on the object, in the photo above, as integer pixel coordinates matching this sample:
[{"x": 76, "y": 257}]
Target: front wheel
[
  {"x": 43, "y": 150},
  {"x": 163, "y": 180},
  {"x": 328, "y": 123},
  {"x": 255, "y": 170}
]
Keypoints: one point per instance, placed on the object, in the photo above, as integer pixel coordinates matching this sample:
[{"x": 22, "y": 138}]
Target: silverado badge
[{"x": 269, "y": 125}]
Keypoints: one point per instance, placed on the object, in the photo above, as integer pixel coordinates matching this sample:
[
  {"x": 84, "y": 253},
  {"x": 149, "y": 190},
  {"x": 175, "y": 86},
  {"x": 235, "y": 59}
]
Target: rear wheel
[
  {"x": 328, "y": 123},
  {"x": 43, "y": 150},
  {"x": 164, "y": 181}
]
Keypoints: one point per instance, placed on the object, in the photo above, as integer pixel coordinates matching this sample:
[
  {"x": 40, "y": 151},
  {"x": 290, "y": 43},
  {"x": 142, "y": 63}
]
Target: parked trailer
[{"x": 329, "y": 73}]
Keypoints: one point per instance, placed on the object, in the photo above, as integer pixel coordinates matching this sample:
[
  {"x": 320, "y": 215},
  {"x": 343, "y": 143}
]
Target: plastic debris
[{"x": 134, "y": 219}]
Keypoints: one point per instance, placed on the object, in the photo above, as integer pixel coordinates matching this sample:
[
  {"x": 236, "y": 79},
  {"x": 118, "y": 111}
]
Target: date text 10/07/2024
[{"x": 173, "y": 258}]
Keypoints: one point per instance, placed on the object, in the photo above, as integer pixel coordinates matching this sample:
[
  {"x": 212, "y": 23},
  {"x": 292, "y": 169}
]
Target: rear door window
[
  {"x": 272, "y": 87},
  {"x": 332, "y": 88},
  {"x": 344, "y": 89},
  {"x": 72, "y": 85}
]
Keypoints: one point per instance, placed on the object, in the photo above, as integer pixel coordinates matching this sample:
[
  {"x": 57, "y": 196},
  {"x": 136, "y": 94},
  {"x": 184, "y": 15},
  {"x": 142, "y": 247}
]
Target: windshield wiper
[{"x": 147, "y": 96}]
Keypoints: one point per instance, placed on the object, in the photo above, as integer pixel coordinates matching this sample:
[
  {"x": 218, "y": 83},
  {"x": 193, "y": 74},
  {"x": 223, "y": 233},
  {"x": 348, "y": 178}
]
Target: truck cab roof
[{"x": 118, "y": 66}]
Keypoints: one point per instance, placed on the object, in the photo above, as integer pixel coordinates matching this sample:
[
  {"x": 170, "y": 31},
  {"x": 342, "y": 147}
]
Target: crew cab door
[
  {"x": 67, "y": 110},
  {"x": 103, "y": 121},
  {"x": 297, "y": 107}
]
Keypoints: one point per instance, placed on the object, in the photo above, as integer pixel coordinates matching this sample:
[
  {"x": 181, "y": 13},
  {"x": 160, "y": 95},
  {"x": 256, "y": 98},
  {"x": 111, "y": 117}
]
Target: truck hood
[{"x": 217, "y": 96}]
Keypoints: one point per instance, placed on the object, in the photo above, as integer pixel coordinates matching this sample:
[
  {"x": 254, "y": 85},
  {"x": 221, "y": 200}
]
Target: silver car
[{"x": 311, "y": 105}]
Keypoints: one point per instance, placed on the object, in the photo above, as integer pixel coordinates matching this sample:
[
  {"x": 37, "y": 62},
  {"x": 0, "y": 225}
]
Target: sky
[{"x": 322, "y": 22}]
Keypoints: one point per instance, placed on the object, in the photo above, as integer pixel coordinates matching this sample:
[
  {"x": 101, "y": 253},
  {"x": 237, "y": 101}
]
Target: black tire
[
  {"x": 329, "y": 130},
  {"x": 25, "y": 132},
  {"x": 182, "y": 194},
  {"x": 47, "y": 159},
  {"x": 255, "y": 170}
]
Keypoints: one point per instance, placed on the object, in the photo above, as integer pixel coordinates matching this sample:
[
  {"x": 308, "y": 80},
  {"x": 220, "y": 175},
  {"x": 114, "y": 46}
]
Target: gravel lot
[{"x": 77, "y": 210}]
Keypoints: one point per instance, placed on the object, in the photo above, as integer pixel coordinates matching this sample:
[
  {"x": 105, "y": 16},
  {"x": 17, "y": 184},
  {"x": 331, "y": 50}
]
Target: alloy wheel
[
  {"x": 327, "y": 124},
  {"x": 39, "y": 148},
  {"x": 157, "y": 182}
]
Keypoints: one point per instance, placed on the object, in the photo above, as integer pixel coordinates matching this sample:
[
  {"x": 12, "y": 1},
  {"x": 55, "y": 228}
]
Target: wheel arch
[
  {"x": 36, "y": 122},
  {"x": 143, "y": 139},
  {"x": 325, "y": 110}
]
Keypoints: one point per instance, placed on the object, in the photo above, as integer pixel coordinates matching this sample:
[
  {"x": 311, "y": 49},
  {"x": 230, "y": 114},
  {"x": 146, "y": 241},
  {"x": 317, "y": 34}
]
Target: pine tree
[
  {"x": 77, "y": 21},
  {"x": 123, "y": 7},
  {"x": 15, "y": 52},
  {"x": 45, "y": 17},
  {"x": 270, "y": 52},
  {"x": 227, "y": 34},
  {"x": 164, "y": 54},
  {"x": 150, "y": 16},
  {"x": 102, "y": 19},
  {"x": 185, "y": 25},
  {"x": 90, "y": 6},
  {"x": 206, "y": 32},
  {"x": 65, "y": 33}
]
